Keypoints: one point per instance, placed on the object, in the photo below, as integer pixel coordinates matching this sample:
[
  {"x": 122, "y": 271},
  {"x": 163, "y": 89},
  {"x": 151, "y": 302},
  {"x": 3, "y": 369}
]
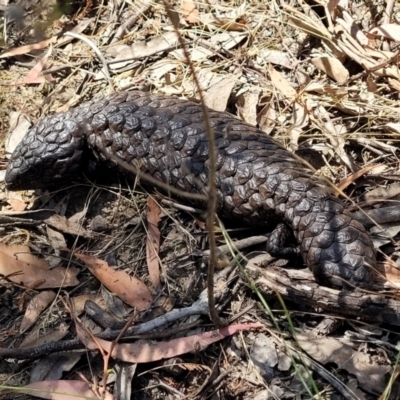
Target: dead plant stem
[{"x": 212, "y": 192}]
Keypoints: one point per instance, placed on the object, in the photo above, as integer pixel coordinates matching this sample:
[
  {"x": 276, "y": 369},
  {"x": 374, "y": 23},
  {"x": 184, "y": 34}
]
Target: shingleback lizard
[{"x": 258, "y": 181}]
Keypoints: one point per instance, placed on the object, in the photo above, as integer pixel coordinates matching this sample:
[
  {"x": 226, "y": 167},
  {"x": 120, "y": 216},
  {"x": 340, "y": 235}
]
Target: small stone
[
  {"x": 284, "y": 362},
  {"x": 264, "y": 351},
  {"x": 264, "y": 356},
  {"x": 98, "y": 224}
]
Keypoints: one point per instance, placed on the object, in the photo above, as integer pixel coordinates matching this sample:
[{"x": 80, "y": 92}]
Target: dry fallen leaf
[
  {"x": 370, "y": 375},
  {"x": 299, "y": 120},
  {"x": 54, "y": 366},
  {"x": 394, "y": 84},
  {"x": 16, "y": 202},
  {"x": 19, "y": 125},
  {"x": 78, "y": 302},
  {"x": 227, "y": 40},
  {"x": 351, "y": 26},
  {"x": 35, "y": 339},
  {"x": 391, "y": 272},
  {"x": 391, "y": 31},
  {"x": 275, "y": 57},
  {"x": 331, "y": 6},
  {"x": 141, "y": 49},
  {"x": 35, "y": 307},
  {"x": 216, "y": 88},
  {"x": 379, "y": 169},
  {"x": 63, "y": 224},
  {"x": 393, "y": 126},
  {"x": 383, "y": 192},
  {"x": 189, "y": 11},
  {"x": 153, "y": 242},
  {"x": 17, "y": 51},
  {"x": 34, "y": 74},
  {"x": 247, "y": 105},
  {"x": 334, "y": 132},
  {"x": 300, "y": 115},
  {"x": 382, "y": 234},
  {"x": 128, "y": 288},
  {"x": 281, "y": 84},
  {"x": 145, "y": 351},
  {"x": 332, "y": 67},
  {"x": 62, "y": 390},
  {"x": 21, "y": 266},
  {"x": 371, "y": 85}
]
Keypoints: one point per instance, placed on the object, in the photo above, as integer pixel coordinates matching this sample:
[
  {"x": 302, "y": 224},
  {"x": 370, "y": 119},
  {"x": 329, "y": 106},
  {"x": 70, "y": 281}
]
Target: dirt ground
[{"x": 107, "y": 297}]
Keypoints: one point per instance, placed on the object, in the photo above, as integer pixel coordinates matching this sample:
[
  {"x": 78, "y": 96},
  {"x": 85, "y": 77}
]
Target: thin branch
[
  {"x": 212, "y": 188},
  {"x": 97, "y": 51}
]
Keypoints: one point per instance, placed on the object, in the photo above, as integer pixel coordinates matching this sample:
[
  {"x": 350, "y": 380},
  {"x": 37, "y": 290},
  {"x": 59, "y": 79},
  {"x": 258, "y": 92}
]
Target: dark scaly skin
[{"x": 259, "y": 182}]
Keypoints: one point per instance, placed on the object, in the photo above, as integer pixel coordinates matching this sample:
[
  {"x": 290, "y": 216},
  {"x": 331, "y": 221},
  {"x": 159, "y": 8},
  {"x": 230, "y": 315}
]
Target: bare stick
[
  {"x": 212, "y": 189},
  {"x": 96, "y": 50}
]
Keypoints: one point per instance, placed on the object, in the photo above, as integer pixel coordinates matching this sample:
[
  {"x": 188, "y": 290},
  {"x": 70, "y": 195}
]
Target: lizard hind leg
[{"x": 278, "y": 244}]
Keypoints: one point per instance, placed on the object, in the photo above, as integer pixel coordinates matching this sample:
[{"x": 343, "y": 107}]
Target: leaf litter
[{"x": 324, "y": 85}]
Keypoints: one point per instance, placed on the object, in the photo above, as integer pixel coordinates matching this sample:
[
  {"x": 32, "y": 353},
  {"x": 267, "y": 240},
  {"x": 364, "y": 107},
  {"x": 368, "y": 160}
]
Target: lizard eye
[{"x": 32, "y": 172}]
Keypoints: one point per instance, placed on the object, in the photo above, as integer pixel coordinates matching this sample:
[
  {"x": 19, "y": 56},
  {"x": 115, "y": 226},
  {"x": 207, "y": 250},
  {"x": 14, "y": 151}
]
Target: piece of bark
[
  {"x": 379, "y": 215},
  {"x": 299, "y": 287},
  {"x": 24, "y": 218}
]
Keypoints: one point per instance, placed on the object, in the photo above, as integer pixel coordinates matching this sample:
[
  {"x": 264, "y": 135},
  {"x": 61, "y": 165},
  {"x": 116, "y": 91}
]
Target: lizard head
[{"x": 49, "y": 154}]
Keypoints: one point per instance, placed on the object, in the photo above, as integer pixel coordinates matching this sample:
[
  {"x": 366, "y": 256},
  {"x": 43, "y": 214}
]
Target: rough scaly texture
[{"x": 259, "y": 182}]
